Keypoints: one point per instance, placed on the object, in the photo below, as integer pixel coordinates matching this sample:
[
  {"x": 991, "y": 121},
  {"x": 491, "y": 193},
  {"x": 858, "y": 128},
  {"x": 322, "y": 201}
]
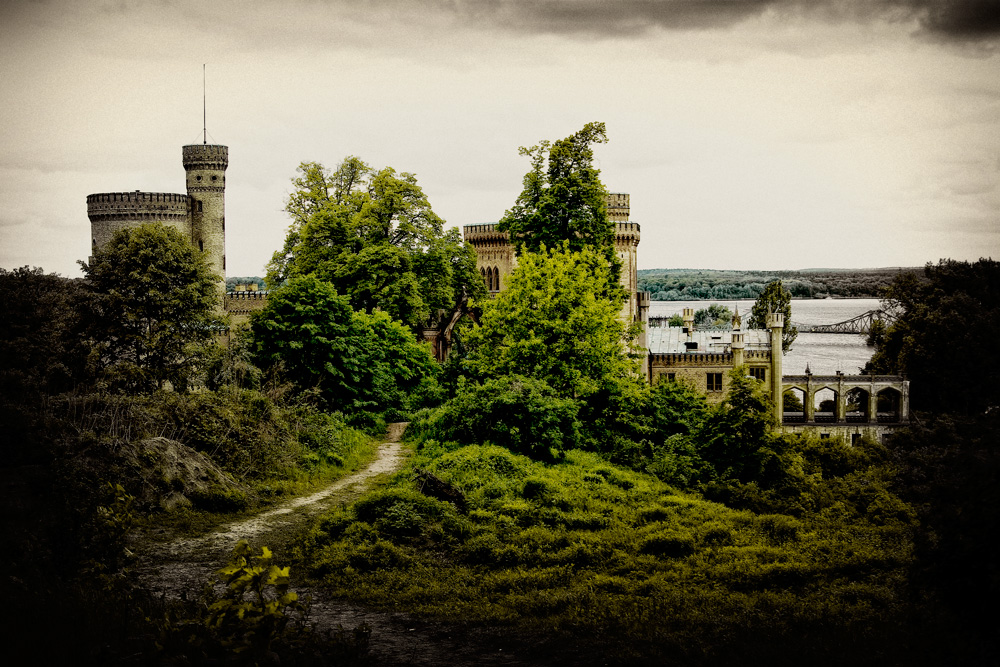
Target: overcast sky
[{"x": 766, "y": 134}]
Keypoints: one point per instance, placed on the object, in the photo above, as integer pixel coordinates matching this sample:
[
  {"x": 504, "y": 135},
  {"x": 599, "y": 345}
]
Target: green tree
[
  {"x": 738, "y": 439},
  {"x": 941, "y": 337},
  {"x": 373, "y": 235},
  {"x": 154, "y": 307},
  {"x": 555, "y": 323},
  {"x": 774, "y": 299},
  {"x": 357, "y": 361},
  {"x": 42, "y": 343},
  {"x": 522, "y": 414},
  {"x": 715, "y": 315},
  {"x": 563, "y": 200}
]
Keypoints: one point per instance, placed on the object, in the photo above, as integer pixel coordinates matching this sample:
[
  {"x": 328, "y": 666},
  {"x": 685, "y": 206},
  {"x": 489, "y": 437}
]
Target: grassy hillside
[{"x": 621, "y": 559}]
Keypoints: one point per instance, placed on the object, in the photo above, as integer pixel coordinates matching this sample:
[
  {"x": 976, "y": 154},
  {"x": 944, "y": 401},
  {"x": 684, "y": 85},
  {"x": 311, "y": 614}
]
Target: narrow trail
[{"x": 183, "y": 566}]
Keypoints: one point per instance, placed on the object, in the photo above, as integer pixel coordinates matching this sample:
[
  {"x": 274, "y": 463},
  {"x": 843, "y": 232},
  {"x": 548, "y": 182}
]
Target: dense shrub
[{"x": 522, "y": 414}]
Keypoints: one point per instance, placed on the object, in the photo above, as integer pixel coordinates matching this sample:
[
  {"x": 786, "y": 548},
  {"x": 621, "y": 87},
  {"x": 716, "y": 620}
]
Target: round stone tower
[
  {"x": 205, "y": 165},
  {"x": 111, "y": 211}
]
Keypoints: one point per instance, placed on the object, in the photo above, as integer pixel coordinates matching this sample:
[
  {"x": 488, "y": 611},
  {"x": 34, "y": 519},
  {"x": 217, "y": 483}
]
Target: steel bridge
[{"x": 861, "y": 324}]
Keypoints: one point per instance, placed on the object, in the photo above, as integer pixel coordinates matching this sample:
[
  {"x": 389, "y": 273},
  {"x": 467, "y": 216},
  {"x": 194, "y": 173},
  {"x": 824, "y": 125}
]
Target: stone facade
[
  {"x": 705, "y": 358},
  {"x": 496, "y": 260},
  {"x": 199, "y": 215},
  {"x": 242, "y": 301}
]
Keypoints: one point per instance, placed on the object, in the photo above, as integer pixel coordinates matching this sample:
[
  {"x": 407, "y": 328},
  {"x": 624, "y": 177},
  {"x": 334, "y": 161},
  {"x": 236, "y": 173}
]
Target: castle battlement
[
  {"x": 137, "y": 203},
  {"x": 618, "y": 206},
  {"x": 205, "y": 156},
  {"x": 627, "y": 233}
]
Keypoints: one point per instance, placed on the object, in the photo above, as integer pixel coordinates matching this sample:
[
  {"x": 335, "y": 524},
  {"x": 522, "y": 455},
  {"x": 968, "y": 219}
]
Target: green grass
[{"x": 596, "y": 550}]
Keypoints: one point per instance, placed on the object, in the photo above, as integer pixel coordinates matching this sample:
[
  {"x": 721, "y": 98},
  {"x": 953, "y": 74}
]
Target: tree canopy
[
  {"x": 373, "y": 235},
  {"x": 563, "y": 200},
  {"x": 155, "y": 304},
  {"x": 774, "y": 299},
  {"x": 42, "y": 338},
  {"x": 358, "y": 362},
  {"x": 941, "y": 337},
  {"x": 555, "y": 323}
]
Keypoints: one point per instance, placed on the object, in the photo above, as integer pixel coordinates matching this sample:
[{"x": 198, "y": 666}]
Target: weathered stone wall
[
  {"x": 694, "y": 368},
  {"x": 618, "y": 206},
  {"x": 240, "y": 304},
  {"x": 494, "y": 253},
  {"x": 626, "y": 246}
]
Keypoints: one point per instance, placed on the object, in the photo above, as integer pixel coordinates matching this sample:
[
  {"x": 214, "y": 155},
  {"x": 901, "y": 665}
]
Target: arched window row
[{"x": 491, "y": 275}]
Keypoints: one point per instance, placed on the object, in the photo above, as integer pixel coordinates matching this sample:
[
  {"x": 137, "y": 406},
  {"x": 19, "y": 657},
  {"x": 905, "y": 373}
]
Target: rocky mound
[{"x": 171, "y": 474}]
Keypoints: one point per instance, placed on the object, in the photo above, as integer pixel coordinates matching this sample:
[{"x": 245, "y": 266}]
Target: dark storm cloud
[
  {"x": 962, "y": 18},
  {"x": 955, "y": 19}
]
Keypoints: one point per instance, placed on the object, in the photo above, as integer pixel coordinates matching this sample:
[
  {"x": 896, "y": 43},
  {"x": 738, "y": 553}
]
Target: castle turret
[
  {"x": 688, "y": 319},
  {"x": 205, "y": 165},
  {"x": 776, "y": 323}
]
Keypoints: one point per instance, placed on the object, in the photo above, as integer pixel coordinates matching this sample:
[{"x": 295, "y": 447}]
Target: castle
[
  {"x": 496, "y": 259},
  {"x": 861, "y": 404},
  {"x": 199, "y": 215}
]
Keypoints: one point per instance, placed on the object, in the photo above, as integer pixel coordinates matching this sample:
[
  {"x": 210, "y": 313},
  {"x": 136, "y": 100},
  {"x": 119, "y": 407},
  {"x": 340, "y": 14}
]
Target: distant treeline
[
  {"x": 233, "y": 281},
  {"x": 696, "y": 284}
]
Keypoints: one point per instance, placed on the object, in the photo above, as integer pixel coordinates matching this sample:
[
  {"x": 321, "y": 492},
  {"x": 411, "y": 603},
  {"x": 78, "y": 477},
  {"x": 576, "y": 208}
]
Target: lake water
[{"x": 825, "y": 353}]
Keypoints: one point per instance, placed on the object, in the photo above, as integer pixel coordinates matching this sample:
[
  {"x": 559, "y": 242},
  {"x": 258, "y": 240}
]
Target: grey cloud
[
  {"x": 955, "y": 19},
  {"x": 969, "y": 19}
]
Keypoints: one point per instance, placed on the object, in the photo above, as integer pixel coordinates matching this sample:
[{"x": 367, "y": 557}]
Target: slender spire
[{"x": 204, "y": 107}]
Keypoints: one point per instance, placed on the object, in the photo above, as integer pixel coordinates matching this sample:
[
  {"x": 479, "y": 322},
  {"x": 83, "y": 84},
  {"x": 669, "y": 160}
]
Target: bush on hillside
[{"x": 522, "y": 414}]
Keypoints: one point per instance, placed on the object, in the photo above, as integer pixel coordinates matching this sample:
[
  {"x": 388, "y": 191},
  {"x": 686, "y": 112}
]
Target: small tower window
[
  {"x": 215, "y": 178},
  {"x": 198, "y": 177},
  {"x": 201, "y": 245}
]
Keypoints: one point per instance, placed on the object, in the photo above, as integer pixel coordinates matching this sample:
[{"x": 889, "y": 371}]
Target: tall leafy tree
[
  {"x": 373, "y": 235},
  {"x": 774, "y": 299},
  {"x": 42, "y": 340},
  {"x": 563, "y": 200},
  {"x": 357, "y": 361},
  {"x": 554, "y": 323},
  {"x": 155, "y": 304},
  {"x": 738, "y": 438},
  {"x": 941, "y": 337}
]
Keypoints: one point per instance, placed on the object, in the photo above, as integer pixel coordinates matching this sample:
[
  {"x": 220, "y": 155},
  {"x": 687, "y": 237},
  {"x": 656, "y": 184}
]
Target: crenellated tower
[
  {"x": 205, "y": 165},
  {"x": 199, "y": 215}
]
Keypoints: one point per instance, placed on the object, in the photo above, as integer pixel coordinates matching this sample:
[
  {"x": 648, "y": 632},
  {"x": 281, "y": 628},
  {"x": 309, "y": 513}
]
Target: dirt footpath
[
  {"x": 185, "y": 564},
  {"x": 182, "y": 567}
]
